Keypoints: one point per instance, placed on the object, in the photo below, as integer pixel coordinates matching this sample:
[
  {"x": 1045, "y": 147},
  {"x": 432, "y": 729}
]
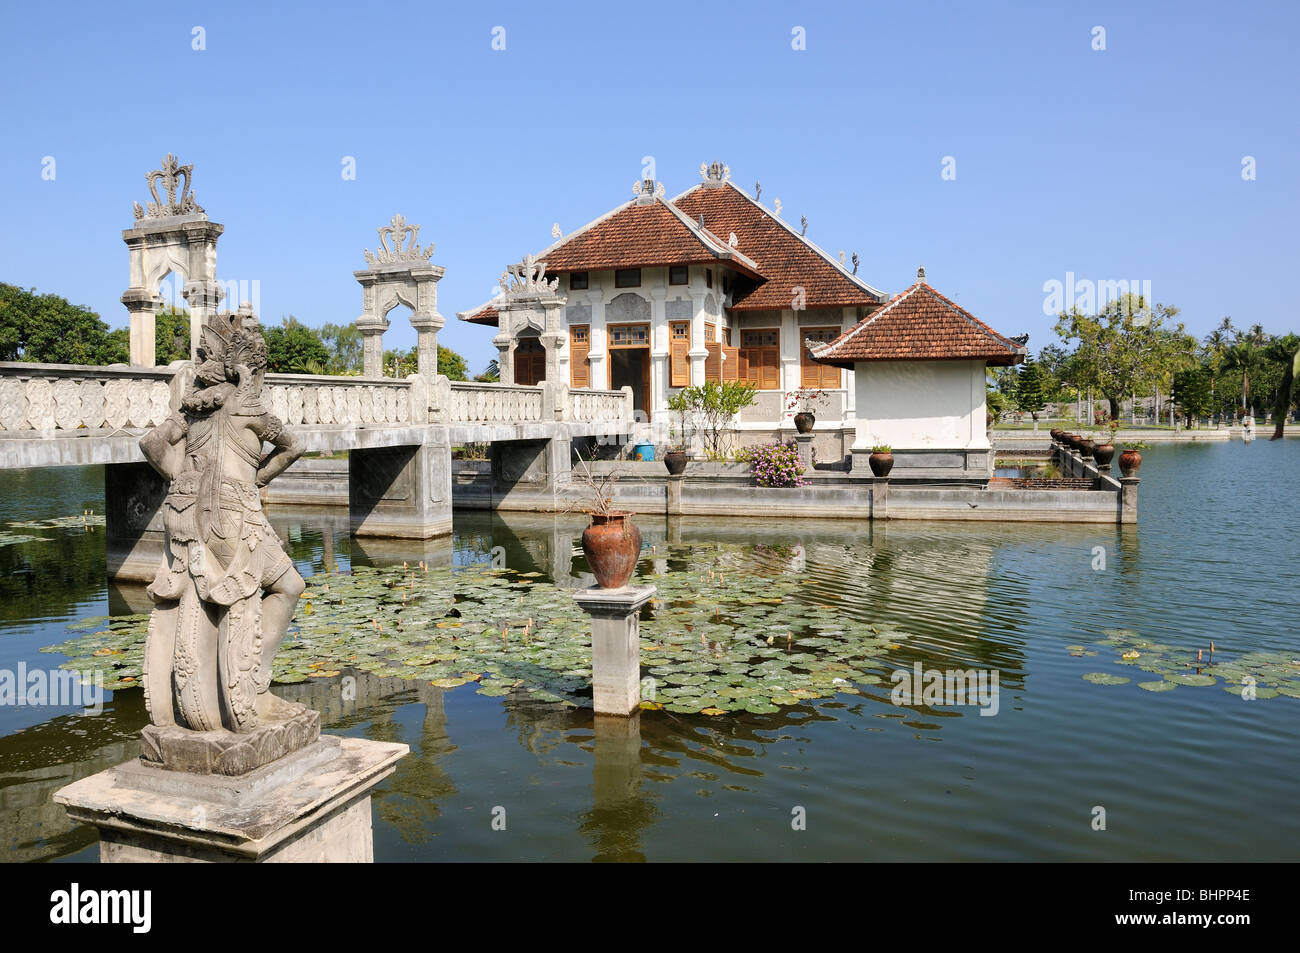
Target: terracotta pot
[
  {"x": 1103, "y": 454},
  {"x": 612, "y": 544},
  {"x": 675, "y": 461},
  {"x": 1130, "y": 462},
  {"x": 804, "y": 422},
  {"x": 881, "y": 463},
  {"x": 1057, "y": 433},
  {"x": 1087, "y": 448}
]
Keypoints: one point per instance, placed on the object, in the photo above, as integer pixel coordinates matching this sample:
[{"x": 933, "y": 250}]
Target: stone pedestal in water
[{"x": 615, "y": 646}]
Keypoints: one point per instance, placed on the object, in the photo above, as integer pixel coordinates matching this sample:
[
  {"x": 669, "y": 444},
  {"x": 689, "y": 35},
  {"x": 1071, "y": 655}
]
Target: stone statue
[{"x": 226, "y": 591}]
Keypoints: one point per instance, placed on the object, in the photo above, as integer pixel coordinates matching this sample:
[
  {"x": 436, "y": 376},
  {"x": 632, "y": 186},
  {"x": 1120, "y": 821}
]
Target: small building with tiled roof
[
  {"x": 918, "y": 367},
  {"x": 714, "y": 285}
]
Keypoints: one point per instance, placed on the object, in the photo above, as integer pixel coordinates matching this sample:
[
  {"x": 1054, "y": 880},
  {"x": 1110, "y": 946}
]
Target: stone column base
[
  {"x": 615, "y": 646},
  {"x": 400, "y": 492},
  {"x": 311, "y": 806},
  {"x": 804, "y": 442}
]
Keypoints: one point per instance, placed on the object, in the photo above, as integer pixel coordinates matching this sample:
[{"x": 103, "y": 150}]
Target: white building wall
[{"x": 918, "y": 405}]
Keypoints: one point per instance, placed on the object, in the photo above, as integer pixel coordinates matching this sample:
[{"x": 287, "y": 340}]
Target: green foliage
[
  {"x": 294, "y": 348},
  {"x": 343, "y": 342},
  {"x": 1191, "y": 391},
  {"x": 451, "y": 365},
  {"x": 400, "y": 363},
  {"x": 712, "y": 405},
  {"x": 171, "y": 336},
  {"x": 1031, "y": 387},
  {"x": 48, "y": 329},
  {"x": 491, "y": 374},
  {"x": 1126, "y": 348}
]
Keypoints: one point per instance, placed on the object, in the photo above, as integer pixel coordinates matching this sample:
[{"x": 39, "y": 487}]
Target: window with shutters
[
  {"x": 710, "y": 331},
  {"x": 723, "y": 363},
  {"x": 627, "y": 278},
  {"x": 579, "y": 347},
  {"x": 760, "y": 358},
  {"x": 678, "y": 274},
  {"x": 816, "y": 376},
  {"x": 679, "y": 345},
  {"x": 530, "y": 362}
]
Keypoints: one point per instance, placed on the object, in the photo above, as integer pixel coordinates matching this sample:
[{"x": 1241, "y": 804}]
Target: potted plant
[
  {"x": 804, "y": 402},
  {"x": 675, "y": 457},
  {"x": 1087, "y": 447},
  {"x": 881, "y": 459},
  {"x": 612, "y": 543},
  {"x": 1130, "y": 461},
  {"x": 1104, "y": 451}
]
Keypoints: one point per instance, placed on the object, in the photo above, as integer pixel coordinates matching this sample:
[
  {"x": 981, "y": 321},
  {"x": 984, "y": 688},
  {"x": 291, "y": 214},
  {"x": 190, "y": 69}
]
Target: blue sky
[{"x": 1124, "y": 163}]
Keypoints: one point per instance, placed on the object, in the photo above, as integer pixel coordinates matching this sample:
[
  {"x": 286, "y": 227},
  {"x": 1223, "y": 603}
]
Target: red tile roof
[
  {"x": 786, "y": 259},
  {"x": 659, "y": 233},
  {"x": 919, "y": 324}
]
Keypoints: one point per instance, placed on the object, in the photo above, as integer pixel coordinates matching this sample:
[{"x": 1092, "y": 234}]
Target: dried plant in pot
[
  {"x": 805, "y": 402},
  {"x": 612, "y": 543},
  {"x": 675, "y": 456}
]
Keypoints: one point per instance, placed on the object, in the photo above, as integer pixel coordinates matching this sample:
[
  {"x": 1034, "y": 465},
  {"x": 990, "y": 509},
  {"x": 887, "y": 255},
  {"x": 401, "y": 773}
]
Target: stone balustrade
[
  {"x": 55, "y": 397},
  {"x": 590, "y": 406},
  {"x": 494, "y": 403}
]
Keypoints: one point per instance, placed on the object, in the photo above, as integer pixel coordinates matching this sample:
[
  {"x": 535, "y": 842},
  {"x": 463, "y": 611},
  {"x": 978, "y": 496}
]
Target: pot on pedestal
[
  {"x": 1130, "y": 461},
  {"x": 611, "y": 544},
  {"x": 881, "y": 463},
  {"x": 803, "y": 422},
  {"x": 1103, "y": 454},
  {"x": 675, "y": 461}
]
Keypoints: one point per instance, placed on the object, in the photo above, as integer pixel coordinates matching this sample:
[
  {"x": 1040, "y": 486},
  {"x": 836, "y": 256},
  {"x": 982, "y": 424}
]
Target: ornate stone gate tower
[
  {"x": 400, "y": 274},
  {"x": 529, "y": 305},
  {"x": 172, "y": 234}
]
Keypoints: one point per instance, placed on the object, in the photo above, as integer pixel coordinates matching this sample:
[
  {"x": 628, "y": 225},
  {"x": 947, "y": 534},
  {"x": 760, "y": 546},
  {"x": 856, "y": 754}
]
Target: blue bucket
[{"x": 643, "y": 451}]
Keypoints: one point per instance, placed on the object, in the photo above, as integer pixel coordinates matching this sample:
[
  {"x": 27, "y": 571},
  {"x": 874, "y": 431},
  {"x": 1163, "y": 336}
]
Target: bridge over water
[{"x": 399, "y": 434}]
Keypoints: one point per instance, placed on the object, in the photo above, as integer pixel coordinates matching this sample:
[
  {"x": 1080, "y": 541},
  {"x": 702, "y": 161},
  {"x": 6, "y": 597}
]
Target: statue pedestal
[
  {"x": 310, "y": 806},
  {"x": 615, "y": 646}
]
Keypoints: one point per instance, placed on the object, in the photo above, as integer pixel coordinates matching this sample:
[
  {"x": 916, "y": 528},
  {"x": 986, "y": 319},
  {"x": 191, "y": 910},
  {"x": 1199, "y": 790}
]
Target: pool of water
[{"x": 1198, "y": 773}]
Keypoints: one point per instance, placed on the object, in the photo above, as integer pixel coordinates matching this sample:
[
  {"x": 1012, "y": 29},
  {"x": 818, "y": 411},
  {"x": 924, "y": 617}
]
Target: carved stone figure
[{"x": 226, "y": 591}]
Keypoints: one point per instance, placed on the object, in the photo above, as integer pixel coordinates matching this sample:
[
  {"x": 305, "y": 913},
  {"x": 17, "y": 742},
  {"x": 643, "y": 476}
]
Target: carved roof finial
[
  {"x": 405, "y": 247},
  {"x": 173, "y": 176},
  {"x": 920, "y": 275}
]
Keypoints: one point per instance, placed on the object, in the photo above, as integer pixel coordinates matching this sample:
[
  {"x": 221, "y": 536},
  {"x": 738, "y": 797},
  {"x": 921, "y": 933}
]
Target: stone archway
[
  {"x": 172, "y": 234},
  {"x": 400, "y": 274}
]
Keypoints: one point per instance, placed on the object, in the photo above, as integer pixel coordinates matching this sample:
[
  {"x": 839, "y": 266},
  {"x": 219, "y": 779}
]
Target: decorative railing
[
  {"x": 52, "y": 397},
  {"x": 44, "y": 397},
  {"x": 494, "y": 403},
  {"x": 64, "y": 397},
  {"x": 600, "y": 405},
  {"x": 314, "y": 400}
]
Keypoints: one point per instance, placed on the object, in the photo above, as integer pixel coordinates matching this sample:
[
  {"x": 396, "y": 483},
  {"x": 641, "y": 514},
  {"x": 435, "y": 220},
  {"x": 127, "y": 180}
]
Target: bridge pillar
[
  {"x": 134, "y": 536},
  {"x": 402, "y": 492},
  {"x": 529, "y": 471}
]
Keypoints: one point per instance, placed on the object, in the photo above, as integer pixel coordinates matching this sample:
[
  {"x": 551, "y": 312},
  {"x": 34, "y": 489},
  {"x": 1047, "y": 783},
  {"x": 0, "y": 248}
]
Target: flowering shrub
[{"x": 777, "y": 464}]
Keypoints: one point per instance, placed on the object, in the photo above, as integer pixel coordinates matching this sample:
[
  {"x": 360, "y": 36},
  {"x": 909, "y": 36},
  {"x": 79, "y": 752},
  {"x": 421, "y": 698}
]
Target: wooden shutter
[
  {"x": 679, "y": 344},
  {"x": 713, "y": 363},
  {"x": 731, "y": 366},
  {"x": 816, "y": 376},
  {"x": 579, "y": 347}
]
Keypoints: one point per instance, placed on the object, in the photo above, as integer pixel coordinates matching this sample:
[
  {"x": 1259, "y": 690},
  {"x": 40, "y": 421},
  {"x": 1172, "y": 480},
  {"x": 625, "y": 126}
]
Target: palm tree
[
  {"x": 1284, "y": 351},
  {"x": 1217, "y": 343},
  {"x": 1244, "y": 356}
]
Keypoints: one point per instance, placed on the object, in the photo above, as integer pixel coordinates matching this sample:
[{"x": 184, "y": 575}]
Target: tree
[
  {"x": 1246, "y": 357},
  {"x": 1030, "y": 387},
  {"x": 343, "y": 341},
  {"x": 294, "y": 348},
  {"x": 1125, "y": 347},
  {"x": 171, "y": 336},
  {"x": 1284, "y": 351},
  {"x": 713, "y": 404},
  {"x": 451, "y": 365},
  {"x": 1191, "y": 391},
  {"x": 50, "y": 330}
]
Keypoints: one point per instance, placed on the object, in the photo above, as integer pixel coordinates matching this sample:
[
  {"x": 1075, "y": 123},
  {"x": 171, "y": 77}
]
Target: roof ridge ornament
[
  {"x": 803, "y": 225},
  {"x": 527, "y": 278},
  {"x": 920, "y": 275},
  {"x": 401, "y": 234},
  {"x": 715, "y": 175},
  {"x": 776, "y": 207},
  {"x": 172, "y": 175}
]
